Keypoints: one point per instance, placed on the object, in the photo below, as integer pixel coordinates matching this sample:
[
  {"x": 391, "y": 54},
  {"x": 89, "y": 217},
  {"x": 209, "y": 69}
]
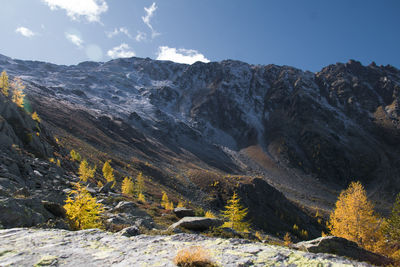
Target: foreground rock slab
[
  {"x": 343, "y": 247},
  {"x": 53, "y": 247}
]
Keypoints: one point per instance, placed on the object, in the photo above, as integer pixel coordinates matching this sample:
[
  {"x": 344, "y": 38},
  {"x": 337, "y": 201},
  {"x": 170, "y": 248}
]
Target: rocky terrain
[
  {"x": 28, "y": 247},
  {"x": 287, "y": 141},
  {"x": 288, "y": 126}
]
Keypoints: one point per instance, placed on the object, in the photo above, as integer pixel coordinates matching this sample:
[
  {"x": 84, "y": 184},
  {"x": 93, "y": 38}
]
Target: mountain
[{"x": 288, "y": 140}]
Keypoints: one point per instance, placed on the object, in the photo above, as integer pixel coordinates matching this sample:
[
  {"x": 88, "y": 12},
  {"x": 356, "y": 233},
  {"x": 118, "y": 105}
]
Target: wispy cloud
[
  {"x": 75, "y": 39},
  {"x": 146, "y": 19},
  {"x": 187, "y": 56},
  {"x": 122, "y": 50},
  {"x": 89, "y": 9},
  {"x": 117, "y": 31},
  {"x": 140, "y": 36},
  {"x": 25, "y": 32}
]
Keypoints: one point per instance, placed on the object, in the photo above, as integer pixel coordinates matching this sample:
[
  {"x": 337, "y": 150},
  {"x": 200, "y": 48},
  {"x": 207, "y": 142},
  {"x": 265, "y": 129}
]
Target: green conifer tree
[{"x": 391, "y": 227}]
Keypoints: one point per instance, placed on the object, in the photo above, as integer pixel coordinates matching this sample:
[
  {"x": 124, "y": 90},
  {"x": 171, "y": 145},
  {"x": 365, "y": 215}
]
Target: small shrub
[
  {"x": 209, "y": 214},
  {"x": 75, "y": 156},
  {"x": 141, "y": 198},
  {"x": 169, "y": 206},
  {"x": 199, "y": 212},
  {"x": 287, "y": 240},
  {"x": 180, "y": 205},
  {"x": 304, "y": 234},
  {"x": 35, "y": 117},
  {"x": 193, "y": 257},
  {"x": 259, "y": 235}
]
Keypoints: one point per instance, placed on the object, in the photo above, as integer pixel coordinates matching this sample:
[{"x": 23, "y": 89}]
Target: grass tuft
[{"x": 194, "y": 256}]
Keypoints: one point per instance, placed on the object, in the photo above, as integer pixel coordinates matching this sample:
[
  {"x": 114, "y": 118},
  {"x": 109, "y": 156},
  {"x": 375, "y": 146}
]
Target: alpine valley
[{"x": 286, "y": 141}]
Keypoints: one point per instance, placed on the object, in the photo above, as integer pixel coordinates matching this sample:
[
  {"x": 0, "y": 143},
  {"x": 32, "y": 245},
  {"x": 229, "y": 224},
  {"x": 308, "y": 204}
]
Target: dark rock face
[
  {"x": 183, "y": 212},
  {"x": 130, "y": 231},
  {"x": 106, "y": 188},
  {"x": 342, "y": 247},
  {"x": 197, "y": 223}
]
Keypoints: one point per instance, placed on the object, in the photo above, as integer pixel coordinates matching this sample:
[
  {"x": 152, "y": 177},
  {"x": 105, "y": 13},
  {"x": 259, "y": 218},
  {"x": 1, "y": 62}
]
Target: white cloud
[
  {"x": 75, "y": 39},
  {"x": 118, "y": 31},
  {"x": 187, "y": 56},
  {"x": 90, "y": 9},
  {"x": 140, "y": 36},
  {"x": 146, "y": 19},
  {"x": 121, "y": 51},
  {"x": 25, "y": 32}
]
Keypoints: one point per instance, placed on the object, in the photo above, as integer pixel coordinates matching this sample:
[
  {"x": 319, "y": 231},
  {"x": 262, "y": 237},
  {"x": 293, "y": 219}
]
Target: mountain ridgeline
[{"x": 203, "y": 130}]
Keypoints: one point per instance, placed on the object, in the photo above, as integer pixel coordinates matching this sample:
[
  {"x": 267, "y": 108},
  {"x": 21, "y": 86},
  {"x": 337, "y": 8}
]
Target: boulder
[
  {"x": 183, "y": 212},
  {"x": 13, "y": 213},
  {"x": 342, "y": 247},
  {"x": 125, "y": 206},
  {"x": 22, "y": 192},
  {"x": 197, "y": 223},
  {"x": 106, "y": 188},
  {"x": 130, "y": 231},
  {"x": 54, "y": 208}
]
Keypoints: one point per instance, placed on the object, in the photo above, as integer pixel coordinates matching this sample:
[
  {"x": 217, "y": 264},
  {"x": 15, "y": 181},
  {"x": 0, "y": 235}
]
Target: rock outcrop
[
  {"x": 197, "y": 223},
  {"x": 183, "y": 212},
  {"x": 28, "y": 247},
  {"x": 342, "y": 247}
]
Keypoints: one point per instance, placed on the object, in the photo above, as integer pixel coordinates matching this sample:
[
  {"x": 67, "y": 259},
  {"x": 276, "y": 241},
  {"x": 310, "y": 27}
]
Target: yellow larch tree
[
  {"x": 85, "y": 171},
  {"x": 210, "y": 214},
  {"x": 82, "y": 210},
  {"x": 141, "y": 198},
  {"x": 18, "y": 92},
  {"x": 139, "y": 184},
  {"x": 164, "y": 200},
  {"x": 35, "y": 117},
  {"x": 108, "y": 172},
  {"x": 235, "y": 213},
  {"x": 75, "y": 156},
  {"x": 391, "y": 232},
  {"x": 180, "y": 205},
  {"x": 4, "y": 85},
  {"x": 127, "y": 186},
  {"x": 354, "y": 218}
]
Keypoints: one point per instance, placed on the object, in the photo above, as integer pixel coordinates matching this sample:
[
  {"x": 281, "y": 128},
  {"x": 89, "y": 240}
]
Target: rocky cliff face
[{"x": 307, "y": 134}]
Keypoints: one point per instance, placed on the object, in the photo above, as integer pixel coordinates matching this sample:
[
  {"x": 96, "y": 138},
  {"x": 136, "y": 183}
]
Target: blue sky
[{"x": 308, "y": 34}]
